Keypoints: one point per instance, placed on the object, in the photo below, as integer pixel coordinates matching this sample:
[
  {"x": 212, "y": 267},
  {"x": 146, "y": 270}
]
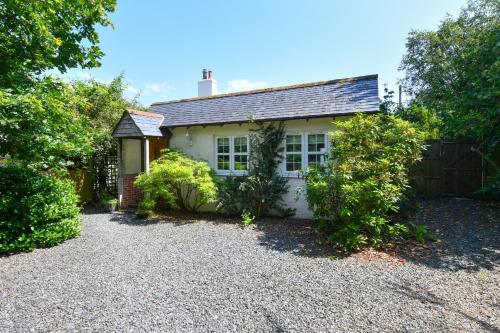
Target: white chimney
[{"x": 207, "y": 86}]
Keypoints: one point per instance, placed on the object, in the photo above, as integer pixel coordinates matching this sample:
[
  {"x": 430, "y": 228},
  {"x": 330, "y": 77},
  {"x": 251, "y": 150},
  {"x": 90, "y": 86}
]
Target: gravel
[{"x": 173, "y": 275}]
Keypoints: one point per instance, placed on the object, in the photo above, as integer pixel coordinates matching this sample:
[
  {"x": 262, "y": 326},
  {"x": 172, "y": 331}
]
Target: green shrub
[
  {"x": 247, "y": 218},
  {"x": 419, "y": 232},
  {"x": 492, "y": 188},
  {"x": 261, "y": 191},
  {"x": 35, "y": 210},
  {"x": 180, "y": 181},
  {"x": 354, "y": 194},
  {"x": 146, "y": 207},
  {"x": 230, "y": 197}
]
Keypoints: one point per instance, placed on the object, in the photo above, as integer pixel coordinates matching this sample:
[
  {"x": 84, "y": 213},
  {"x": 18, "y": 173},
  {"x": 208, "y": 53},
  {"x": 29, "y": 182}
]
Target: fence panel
[{"x": 448, "y": 168}]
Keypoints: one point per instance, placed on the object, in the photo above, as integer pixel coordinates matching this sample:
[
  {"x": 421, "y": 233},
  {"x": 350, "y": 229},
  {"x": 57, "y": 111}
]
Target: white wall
[
  {"x": 131, "y": 156},
  {"x": 203, "y": 147}
]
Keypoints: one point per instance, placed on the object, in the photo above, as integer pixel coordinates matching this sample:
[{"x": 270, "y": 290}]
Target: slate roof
[
  {"x": 140, "y": 124},
  {"x": 309, "y": 100}
]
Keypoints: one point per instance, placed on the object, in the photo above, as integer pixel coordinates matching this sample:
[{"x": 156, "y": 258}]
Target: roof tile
[{"x": 319, "y": 99}]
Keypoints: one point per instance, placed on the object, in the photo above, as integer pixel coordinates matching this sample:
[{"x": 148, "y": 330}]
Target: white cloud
[
  {"x": 131, "y": 90},
  {"x": 149, "y": 92},
  {"x": 83, "y": 75},
  {"x": 244, "y": 84},
  {"x": 160, "y": 88}
]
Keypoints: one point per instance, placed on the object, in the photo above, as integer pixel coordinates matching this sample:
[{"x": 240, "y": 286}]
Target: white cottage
[{"x": 215, "y": 127}]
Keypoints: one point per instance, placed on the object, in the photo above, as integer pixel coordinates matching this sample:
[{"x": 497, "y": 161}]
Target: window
[
  {"x": 315, "y": 149},
  {"x": 232, "y": 153},
  {"x": 223, "y": 154},
  {"x": 240, "y": 153},
  {"x": 293, "y": 152}
]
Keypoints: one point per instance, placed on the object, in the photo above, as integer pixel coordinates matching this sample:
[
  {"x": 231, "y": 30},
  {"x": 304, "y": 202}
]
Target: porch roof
[{"x": 136, "y": 123}]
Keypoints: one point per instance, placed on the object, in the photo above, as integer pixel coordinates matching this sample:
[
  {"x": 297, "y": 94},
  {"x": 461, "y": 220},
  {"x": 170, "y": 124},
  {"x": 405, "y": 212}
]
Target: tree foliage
[
  {"x": 104, "y": 104},
  {"x": 36, "y": 36},
  {"x": 453, "y": 72},
  {"x": 261, "y": 191},
  {"x": 180, "y": 181},
  {"x": 40, "y": 127},
  {"x": 354, "y": 192}
]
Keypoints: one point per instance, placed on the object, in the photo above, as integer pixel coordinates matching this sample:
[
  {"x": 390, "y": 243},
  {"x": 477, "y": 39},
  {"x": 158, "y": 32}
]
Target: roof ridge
[
  {"x": 145, "y": 113},
  {"x": 279, "y": 88}
]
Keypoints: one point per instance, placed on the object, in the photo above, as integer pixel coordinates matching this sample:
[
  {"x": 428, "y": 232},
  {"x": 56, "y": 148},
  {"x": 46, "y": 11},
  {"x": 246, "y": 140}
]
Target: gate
[{"x": 448, "y": 168}]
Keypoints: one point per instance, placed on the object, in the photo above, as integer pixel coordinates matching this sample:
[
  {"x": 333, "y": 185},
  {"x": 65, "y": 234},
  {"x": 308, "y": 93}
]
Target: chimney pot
[{"x": 204, "y": 74}]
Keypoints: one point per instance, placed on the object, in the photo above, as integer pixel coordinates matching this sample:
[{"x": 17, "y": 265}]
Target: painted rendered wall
[
  {"x": 200, "y": 144},
  {"x": 207, "y": 88},
  {"x": 131, "y": 155}
]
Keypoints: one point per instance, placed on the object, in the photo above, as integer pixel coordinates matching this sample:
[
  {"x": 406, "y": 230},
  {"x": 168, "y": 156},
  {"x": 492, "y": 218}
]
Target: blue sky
[{"x": 163, "y": 46}]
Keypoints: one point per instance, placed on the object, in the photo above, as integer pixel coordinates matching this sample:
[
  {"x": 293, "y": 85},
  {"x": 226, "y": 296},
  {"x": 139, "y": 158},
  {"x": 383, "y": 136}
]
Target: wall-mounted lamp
[{"x": 189, "y": 136}]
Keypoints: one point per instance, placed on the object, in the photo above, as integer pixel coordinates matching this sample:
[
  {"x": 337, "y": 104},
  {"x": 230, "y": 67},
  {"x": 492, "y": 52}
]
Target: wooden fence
[{"x": 448, "y": 168}]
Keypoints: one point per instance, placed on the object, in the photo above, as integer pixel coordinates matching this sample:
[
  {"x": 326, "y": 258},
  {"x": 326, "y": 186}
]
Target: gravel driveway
[{"x": 126, "y": 275}]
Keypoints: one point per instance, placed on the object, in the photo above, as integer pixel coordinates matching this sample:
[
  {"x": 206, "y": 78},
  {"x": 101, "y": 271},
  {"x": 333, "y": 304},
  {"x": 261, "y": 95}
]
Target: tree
[
  {"x": 454, "y": 72},
  {"x": 40, "y": 127},
  {"x": 104, "y": 105},
  {"x": 36, "y": 36}
]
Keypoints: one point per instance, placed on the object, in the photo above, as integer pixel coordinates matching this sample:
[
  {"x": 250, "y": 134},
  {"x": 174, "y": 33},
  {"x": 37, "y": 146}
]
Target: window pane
[
  {"x": 293, "y": 162},
  {"x": 293, "y": 143},
  {"x": 240, "y": 162},
  {"x": 313, "y": 159},
  {"x": 240, "y": 145},
  {"x": 315, "y": 142},
  {"x": 293, "y": 139},
  {"x": 223, "y": 162},
  {"x": 223, "y": 145}
]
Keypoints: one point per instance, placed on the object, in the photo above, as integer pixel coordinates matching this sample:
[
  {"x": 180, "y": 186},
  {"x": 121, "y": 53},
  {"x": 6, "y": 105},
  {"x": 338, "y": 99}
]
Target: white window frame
[
  {"x": 320, "y": 152},
  {"x": 231, "y": 154},
  {"x": 217, "y": 154},
  {"x": 304, "y": 151},
  {"x": 285, "y": 154}
]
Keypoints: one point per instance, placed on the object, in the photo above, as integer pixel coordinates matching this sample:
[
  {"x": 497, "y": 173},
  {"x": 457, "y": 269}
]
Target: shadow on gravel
[
  {"x": 467, "y": 235},
  {"x": 427, "y": 297},
  {"x": 175, "y": 218},
  {"x": 289, "y": 235}
]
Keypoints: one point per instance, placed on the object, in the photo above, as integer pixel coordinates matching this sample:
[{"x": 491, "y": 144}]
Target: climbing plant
[{"x": 261, "y": 191}]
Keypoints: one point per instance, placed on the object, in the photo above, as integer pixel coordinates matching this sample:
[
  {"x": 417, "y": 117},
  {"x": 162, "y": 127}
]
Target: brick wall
[{"x": 131, "y": 195}]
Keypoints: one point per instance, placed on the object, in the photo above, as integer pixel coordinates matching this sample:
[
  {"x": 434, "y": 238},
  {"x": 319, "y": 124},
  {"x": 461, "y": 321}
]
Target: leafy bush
[
  {"x": 261, "y": 191},
  {"x": 35, "y": 210},
  {"x": 180, "y": 181},
  {"x": 419, "y": 232},
  {"x": 230, "y": 197},
  {"x": 247, "y": 218},
  {"x": 146, "y": 207},
  {"x": 354, "y": 193},
  {"x": 492, "y": 188}
]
